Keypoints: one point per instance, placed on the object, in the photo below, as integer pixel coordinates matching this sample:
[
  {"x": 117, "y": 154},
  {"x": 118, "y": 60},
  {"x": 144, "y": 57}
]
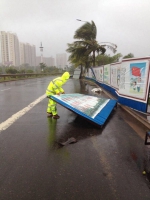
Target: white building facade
[
  {"x": 22, "y": 53},
  {"x": 10, "y": 52},
  {"x": 27, "y": 54},
  {"x": 15, "y": 53}
]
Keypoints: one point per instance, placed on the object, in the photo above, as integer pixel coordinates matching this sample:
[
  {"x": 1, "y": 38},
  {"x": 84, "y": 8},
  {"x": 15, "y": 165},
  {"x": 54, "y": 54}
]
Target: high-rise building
[
  {"x": 17, "y": 50},
  {"x": 33, "y": 55},
  {"x": 10, "y": 53},
  {"x": 14, "y": 53},
  {"x": 61, "y": 60},
  {"x": 22, "y": 53},
  {"x": 28, "y": 54},
  {"x": 4, "y": 48}
]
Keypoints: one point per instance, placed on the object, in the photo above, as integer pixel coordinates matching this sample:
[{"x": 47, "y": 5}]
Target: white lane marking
[
  {"x": 4, "y": 125},
  {"x": 5, "y": 89}
]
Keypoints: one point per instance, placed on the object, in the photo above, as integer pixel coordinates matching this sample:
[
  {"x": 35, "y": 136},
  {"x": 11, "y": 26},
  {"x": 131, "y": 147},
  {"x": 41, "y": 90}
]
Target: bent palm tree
[
  {"x": 78, "y": 56},
  {"x": 87, "y": 39}
]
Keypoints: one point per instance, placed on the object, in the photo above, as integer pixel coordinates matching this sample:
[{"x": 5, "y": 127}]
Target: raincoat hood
[{"x": 65, "y": 76}]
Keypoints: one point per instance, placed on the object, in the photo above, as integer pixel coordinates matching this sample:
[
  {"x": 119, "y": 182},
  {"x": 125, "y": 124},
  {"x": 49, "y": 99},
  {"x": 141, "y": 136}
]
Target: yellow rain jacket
[{"x": 55, "y": 86}]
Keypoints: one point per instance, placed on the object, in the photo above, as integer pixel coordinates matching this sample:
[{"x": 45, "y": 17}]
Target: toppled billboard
[{"x": 92, "y": 108}]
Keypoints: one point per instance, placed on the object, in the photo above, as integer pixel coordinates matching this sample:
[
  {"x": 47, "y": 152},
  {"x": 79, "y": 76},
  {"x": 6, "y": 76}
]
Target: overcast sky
[{"x": 53, "y": 22}]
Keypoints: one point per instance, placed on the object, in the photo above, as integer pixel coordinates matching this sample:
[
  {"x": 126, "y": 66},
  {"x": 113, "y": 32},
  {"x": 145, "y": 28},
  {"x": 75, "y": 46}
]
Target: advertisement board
[
  {"x": 89, "y": 105},
  {"x": 91, "y": 75},
  {"x": 93, "y": 108},
  {"x": 115, "y": 75},
  {"x": 98, "y": 71},
  {"x": 134, "y": 78},
  {"x": 101, "y": 72},
  {"x": 107, "y": 74}
]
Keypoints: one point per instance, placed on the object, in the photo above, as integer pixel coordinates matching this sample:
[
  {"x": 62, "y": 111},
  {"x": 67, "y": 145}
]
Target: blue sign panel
[{"x": 92, "y": 108}]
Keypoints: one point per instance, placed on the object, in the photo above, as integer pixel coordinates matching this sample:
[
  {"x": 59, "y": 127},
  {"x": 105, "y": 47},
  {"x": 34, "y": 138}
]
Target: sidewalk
[{"x": 143, "y": 118}]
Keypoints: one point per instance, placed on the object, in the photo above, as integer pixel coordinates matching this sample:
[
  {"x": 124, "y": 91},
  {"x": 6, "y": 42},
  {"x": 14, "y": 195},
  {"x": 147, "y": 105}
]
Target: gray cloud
[{"x": 125, "y": 23}]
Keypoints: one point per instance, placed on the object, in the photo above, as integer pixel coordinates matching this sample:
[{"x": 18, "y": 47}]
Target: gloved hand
[{"x": 49, "y": 96}]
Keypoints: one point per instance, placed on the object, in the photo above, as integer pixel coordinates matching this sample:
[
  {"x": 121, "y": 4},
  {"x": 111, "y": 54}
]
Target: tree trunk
[
  {"x": 93, "y": 58},
  {"x": 81, "y": 73}
]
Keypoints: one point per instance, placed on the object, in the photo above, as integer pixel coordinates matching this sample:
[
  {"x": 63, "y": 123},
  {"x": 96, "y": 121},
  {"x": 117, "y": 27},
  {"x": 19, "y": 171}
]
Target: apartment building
[
  {"x": 33, "y": 55},
  {"x": 16, "y": 50},
  {"x": 61, "y": 60},
  {"x": 27, "y": 54},
  {"x": 15, "y": 53},
  {"x": 22, "y": 53},
  {"x": 10, "y": 53},
  {"x": 4, "y": 48}
]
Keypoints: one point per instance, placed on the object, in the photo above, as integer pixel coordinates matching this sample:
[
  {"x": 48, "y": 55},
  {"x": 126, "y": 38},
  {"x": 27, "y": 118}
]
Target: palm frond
[
  {"x": 110, "y": 46},
  {"x": 86, "y": 46},
  {"x": 87, "y": 31}
]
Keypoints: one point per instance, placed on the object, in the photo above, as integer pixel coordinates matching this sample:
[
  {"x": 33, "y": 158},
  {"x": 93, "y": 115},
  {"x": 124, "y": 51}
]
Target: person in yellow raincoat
[{"x": 55, "y": 88}]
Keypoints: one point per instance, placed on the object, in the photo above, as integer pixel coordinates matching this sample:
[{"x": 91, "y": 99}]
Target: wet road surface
[{"x": 103, "y": 164}]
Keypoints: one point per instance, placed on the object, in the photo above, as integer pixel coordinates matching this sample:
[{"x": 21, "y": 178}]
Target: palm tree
[
  {"x": 78, "y": 57},
  {"x": 87, "y": 39}
]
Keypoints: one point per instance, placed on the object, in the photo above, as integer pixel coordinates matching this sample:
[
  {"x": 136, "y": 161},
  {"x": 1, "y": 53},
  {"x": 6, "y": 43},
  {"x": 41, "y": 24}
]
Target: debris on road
[
  {"x": 96, "y": 90},
  {"x": 69, "y": 141}
]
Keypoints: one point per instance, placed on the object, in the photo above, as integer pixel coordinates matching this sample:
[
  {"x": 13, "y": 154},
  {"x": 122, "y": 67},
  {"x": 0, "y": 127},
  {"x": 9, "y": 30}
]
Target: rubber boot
[
  {"x": 56, "y": 117},
  {"x": 49, "y": 115}
]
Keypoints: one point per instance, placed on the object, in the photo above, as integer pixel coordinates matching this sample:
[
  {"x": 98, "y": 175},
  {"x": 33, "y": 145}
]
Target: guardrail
[
  {"x": 11, "y": 77},
  {"x": 8, "y": 77}
]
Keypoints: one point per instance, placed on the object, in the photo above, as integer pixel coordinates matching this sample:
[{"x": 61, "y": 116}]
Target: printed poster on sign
[
  {"x": 115, "y": 75},
  {"x": 137, "y": 78},
  {"x": 96, "y": 71},
  {"x": 91, "y": 74},
  {"x": 133, "y": 79},
  {"x": 101, "y": 74},
  {"x": 89, "y": 105},
  {"x": 107, "y": 74}
]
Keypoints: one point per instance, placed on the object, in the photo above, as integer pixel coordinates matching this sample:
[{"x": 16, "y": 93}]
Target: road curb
[{"x": 135, "y": 114}]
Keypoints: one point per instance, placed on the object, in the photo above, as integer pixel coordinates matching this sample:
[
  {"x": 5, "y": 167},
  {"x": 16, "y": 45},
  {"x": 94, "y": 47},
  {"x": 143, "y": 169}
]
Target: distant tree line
[{"x": 42, "y": 68}]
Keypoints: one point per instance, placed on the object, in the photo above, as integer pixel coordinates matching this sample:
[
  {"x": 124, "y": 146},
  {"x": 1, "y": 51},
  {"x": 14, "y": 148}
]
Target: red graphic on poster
[{"x": 136, "y": 71}]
